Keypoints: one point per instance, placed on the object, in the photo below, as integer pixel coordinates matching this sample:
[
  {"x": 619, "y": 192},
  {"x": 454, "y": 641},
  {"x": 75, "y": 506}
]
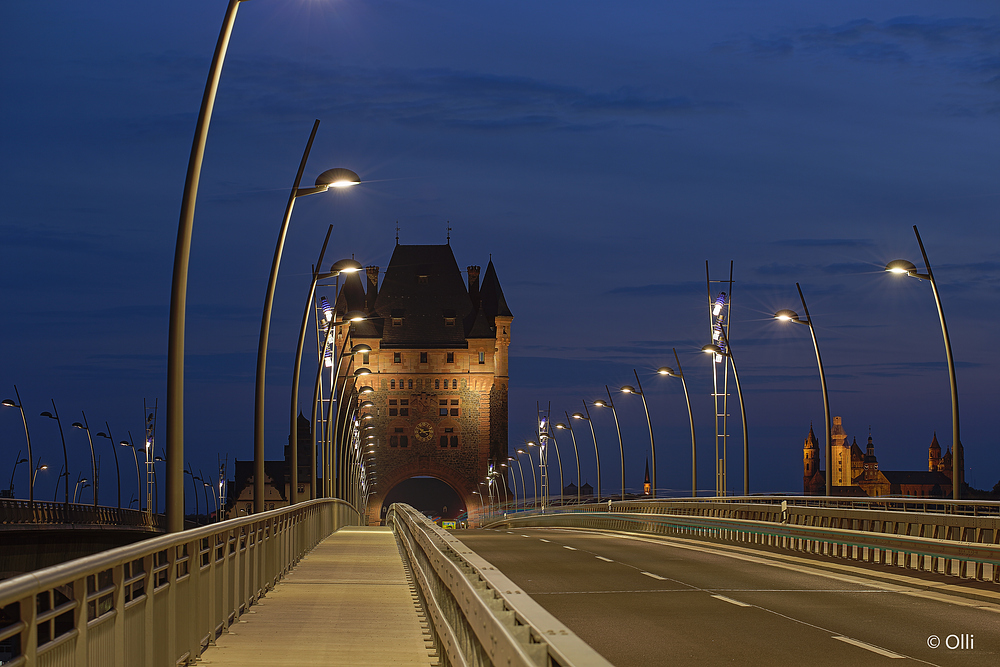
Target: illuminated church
[{"x": 857, "y": 473}]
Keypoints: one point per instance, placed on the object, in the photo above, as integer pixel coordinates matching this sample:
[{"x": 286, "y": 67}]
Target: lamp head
[
  {"x": 356, "y": 316},
  {"x": 666, "y": 370},
  {"x": 712, "y": 349},
  {"x": 360, "y": 347},
  {"x": 531, "y": 443},
  {"x": 578, "y": 415},
  {"x": 124, "y": 443},
  {"x": 46, "y": 414},
  {"x": 628, "y": 389},
  {"x": 900, "y": 266},
  {"x": 102, "y": 434},
  {"x": 366, "y": 390},
  {"x": 337, "y": 178},
  {"x": 560, "y": 425},
  {"x": 786, "y": 315},
  {"x": 78, "y": 425},
  {"x": 600, "y": 403},
  {"x": 520, "y": 451},
  {"x": 44, "y": 466},
  {"x": 362, "y": 372},
  {"x": 9, "y": 403},
  {"x": 367, "y": 404}
]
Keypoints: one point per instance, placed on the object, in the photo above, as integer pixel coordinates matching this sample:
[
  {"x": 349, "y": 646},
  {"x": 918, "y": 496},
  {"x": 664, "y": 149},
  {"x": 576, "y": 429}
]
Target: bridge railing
[
  {"x": 480, "y": 617},
  {"x": 947, "y": 537},
  {"x": 162, "y": 601},
  {"x": 21, "y": 513}
]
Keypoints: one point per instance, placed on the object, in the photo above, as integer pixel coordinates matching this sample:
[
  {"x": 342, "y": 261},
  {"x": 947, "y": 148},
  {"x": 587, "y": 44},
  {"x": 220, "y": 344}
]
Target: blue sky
[{"x": 601, "y": 153}]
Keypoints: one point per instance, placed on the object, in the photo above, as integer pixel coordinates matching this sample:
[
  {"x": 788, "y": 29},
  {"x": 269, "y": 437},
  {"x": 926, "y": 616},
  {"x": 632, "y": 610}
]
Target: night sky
[{"x": 601, "y": 152}]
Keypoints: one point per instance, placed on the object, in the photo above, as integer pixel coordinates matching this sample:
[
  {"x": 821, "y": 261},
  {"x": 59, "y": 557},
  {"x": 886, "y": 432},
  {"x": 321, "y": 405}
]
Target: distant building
[{"x": 857, "y": 473}]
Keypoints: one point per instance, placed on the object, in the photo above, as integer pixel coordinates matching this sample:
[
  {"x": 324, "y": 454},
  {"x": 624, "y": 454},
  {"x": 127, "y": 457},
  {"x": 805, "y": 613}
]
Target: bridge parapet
[
  {"x": 162, "y": 601},
  {"x": 22, "y": 515},
  {"x": 480, "y": 617}
]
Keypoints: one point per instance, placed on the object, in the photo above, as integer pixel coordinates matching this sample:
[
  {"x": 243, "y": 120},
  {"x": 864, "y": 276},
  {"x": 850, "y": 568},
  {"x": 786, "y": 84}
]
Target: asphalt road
[{"x": 646, "y": 601}]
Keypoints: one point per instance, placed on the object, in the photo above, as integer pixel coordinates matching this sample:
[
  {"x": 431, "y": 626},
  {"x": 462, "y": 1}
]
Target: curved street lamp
[
  {"x": 17, "y": 461},
  {"x": 568, "y": 427},
  {"x": 62, "y": 437},
  {"x": 93, "y": 459},
  {"x": 78, "y": 488},
  {"x": 611, "y": 404},
  {"x": 344, "y": 265},
  {"x": 38, "y": 466},
  {"x": 679, "y": 373},
  {"x": 335, "y": 178},
  {"x": 523, "y": 487},
  {"x": 555, "y": 445},
  {"x": 715, "y": 349},
  {"x": 629, "y": 389},
  {"x": 593, "y": 434},
  {"x": 901, "y": 267},
  {"x": 786, "y": 315},
  {"x": 138, "y": 477},
  {"x": 114, "y": 450},
  {"x": 531, "y": 474},
  {"x": 12, "y": 404}
]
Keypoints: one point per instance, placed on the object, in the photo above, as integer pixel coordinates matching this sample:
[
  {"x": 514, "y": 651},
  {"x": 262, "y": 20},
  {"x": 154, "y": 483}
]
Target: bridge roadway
[
  {"x": 657, "y": 601},
  {"x": 348, "y": 602}
]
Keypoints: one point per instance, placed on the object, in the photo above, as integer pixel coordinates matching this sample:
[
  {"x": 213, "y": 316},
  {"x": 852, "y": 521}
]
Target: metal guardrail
[
  {"x": 963, "y": 543},
  {"x": 162, "y": 601},
  {"x": 480, "y": 617},
  {"x": 22, "y": 515}
]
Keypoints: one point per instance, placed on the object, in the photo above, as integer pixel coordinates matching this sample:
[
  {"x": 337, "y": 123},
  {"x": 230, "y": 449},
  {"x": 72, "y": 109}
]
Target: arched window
[
  {"x": 437, "y": 384},
  {"x": 392, "y": 384},
  {"x": 454, "y": 384}
]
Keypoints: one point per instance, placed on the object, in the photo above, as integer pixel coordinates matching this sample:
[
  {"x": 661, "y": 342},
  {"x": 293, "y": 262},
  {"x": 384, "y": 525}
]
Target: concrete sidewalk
[{"x": 348, "y": 602}]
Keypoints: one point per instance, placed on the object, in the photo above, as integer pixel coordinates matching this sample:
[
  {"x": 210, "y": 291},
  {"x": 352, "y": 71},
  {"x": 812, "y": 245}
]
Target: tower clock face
[{"x": 423, "y": 431}]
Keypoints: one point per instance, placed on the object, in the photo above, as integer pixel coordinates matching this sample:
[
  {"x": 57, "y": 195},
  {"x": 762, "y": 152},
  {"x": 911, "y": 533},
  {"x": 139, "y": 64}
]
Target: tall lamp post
[
  {"x": 178, "y": 287},
  {"x": 786, "y": 315},
  {"x": 78, "y": 488},
  {"x": 17, "y": 461},
  {"x": 715, "y": 349},
  {"x": 679, "y": 373},
  {"x": 93, "y": 459},
  {"x": 902, "y": 266},
  {"x": 34, "y": 474},
  {"x": 621, "y": 447},
  {"x": 332, "y": 178},
  {"x": 593, "y": 434},
  {"x": 568, "y": 427},
  {"x": 523, "y": 488},
  {"x": 629, "y": 389},
  {"x": 138, "y": 477},
  {"x": 12, "y": 404},
  {"x": 531, "y": 473},
  {"x": 62, "y": 437},
  {"x": 114, "y": 450}
]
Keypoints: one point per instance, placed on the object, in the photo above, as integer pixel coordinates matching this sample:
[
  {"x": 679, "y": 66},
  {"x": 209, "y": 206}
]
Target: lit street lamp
[
  {"x": 78, "y": 487},
  {"x": 114, "y": 450},
  {"x": 629, "y": 389},
  {"x": 138, "y": 477},
  {"x": 332, "y": 178},
  {"x": 786, "y": 315},
  {"x": 523, "y": 487},
  {"x": 715, "y": 349},
  {"x": 65, "y": 457},
  {"x": 902, "y": 266},
  {"x": 679, "y": 373},
  {"x": 93, "y": 459},
  {"x": 593, "y": 434},
  {"x": 531, "y": 474},
  {"x": 568, "y": 427},
  {"x": 11, "y": 404},
  {"x": 38, "y": 466},
  {"x": 17, "y": 461},
  {"x": 611, "y": 404}
]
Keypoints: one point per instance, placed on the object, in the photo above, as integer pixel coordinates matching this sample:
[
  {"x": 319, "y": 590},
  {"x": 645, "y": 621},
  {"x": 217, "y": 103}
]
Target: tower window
[
  {"x": 482, "y": 357},
  {"x": 397, "y": 358},
  {"x": 454, "y": 384},
  {"x": 364, "y": 357},
  {"x": 409, "y": 384},
  {"x": 423, "y": 357},
  {"x": 451, "y": 357},
  {"x": 454, "y": 441},
  {"x": 403, "y": 441},
  {"x": 397, "y": 321},
  {"x": 449, "y": 321},
  {"x": 437, "y": 384},
  {"x": 422, "y": 280}
]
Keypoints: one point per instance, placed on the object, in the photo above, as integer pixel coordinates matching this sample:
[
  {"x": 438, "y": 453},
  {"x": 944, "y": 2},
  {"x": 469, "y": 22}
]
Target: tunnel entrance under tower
[{"x": 428, "y": 495}]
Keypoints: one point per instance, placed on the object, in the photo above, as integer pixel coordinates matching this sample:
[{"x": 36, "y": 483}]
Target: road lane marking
[
  {"x": 731, "y": 601},
  {"x": 654, "y": 576},
  {"x": 606, "y": 560},
  {"x": 869, "y": 647},
  {"x": 570, "y": 548},
  {"x": 526, "y": 536},
  {"x": 543, "y": 540}
]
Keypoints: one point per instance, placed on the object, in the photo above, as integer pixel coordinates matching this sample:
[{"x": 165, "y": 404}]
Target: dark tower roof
[
  {"x": 811, "y": 442},
  {"x": 352, "y": 294},
  {"x": 422, "y": 290},
  {"x": 935, "y": 445},
  {"x": 491, "y": 295}
]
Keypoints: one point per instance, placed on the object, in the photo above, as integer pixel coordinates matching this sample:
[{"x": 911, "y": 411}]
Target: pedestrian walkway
[{"x": 348, "y": 602}]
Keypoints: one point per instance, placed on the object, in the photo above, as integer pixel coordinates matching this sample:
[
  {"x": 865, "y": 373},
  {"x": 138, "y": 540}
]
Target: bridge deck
[{"x": 348, "y": 602}]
